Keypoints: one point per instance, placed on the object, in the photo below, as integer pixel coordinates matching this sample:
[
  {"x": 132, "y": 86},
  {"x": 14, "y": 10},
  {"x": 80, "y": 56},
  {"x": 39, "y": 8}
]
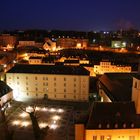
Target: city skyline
[{"x": 70, "y": 15}]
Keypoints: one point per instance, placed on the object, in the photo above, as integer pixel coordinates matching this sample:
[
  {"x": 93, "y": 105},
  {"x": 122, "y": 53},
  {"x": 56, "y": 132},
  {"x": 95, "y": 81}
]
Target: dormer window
[
  {"x": 108, "y": 126},
  {"x": 116, "y": 125},
  {"x": 124, "y": 125},
  {"x": 132, "y": 125},
  {"x": 100, "y": 125}
]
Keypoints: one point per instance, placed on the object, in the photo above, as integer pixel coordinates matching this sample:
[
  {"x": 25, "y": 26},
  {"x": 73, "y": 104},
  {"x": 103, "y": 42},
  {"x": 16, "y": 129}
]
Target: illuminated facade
[
  {"x": 35, "y": 60},
  {"x": 72, "y": 43},
  {"x": 52, "y": 82},
  {"x": 108, "y": 121},
  {"x": 107, "y": 67}
]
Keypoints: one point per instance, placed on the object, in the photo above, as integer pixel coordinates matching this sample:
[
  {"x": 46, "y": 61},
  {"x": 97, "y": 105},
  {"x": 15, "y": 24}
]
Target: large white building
[{"x": 52, "y": 82}]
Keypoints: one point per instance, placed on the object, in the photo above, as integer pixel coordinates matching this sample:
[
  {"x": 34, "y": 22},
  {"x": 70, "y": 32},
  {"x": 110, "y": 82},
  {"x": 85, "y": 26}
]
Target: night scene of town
[{"x": 70, "y": 70}]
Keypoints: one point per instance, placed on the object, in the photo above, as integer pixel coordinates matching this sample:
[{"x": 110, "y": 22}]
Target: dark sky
[{"x": 83, "y": 15}]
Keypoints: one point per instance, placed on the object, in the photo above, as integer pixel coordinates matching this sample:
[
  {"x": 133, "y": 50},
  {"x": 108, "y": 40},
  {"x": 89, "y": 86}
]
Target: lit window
[
  {"x": 131, "y": 137},
  {"x": 102, "y": 137},
  {"x": 94, "y": 137}
]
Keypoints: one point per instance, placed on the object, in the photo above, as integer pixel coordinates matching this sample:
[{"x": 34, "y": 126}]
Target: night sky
[{"x": 81, "y": 15}]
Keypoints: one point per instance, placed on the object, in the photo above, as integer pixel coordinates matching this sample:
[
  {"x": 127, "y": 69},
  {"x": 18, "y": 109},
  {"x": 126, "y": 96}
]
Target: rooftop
[
  {"x": 114, "y": 84},
  {"x": 49, "y": 69},
  {"x": 4, "y": 88},
  {"x": 117, "y": 115}
]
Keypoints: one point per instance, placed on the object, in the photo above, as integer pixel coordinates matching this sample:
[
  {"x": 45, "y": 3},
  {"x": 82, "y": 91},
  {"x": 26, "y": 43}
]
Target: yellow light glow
[
  {"x": 29, "y": 109},
  {"x": 60, "y": 110},
  {"x": 44, "y": 109},
  {"x": 23, "y": 115},
  {"x": 56, "y": 117},
  {"x": 53, "y": 126},
  {"x": 16, "y": 122},
  {"x": 37, "y": 108},
  {"x": 43, "y": 125},
  {"x": 25, "y": 124},
  {"x": 52, "y": 110}
]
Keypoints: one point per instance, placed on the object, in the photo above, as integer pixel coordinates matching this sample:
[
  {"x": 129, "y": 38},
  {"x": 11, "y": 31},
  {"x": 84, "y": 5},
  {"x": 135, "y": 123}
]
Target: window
[
  {"x": 35, "y": 78},
  {"x": 46, "y": 78},
  {"x": 26, "y": 88},
  {"x": 43, "y": 84},
  {"x": 102, "y": 137},
  {"x": 54, "y": 78},
  {"x": 108, "y": 138},
  {"x": 131, "y": 137},
  {"x": 74, "y": 90},
  {"x": 26, "y": 77},
  {"x": 27, "y": 93},
  {"x": 74, "y": 79},
  {"x": 64, "y": 79},
  {"x": 74, "y": 85},
  {"x": 43, "y": 78},
  {"x": 74, "y": 97},
  {"x": 94, "y": 137},
  {"x": 64, "y": 84},
  {"x": 54, "y": 84},
  {"x": 54, "y": 89},
  {"x": 64, "y": 90},
  {"x": 64, "y": 96},
  {"x": 36, "y": 94},
  {"x": 26, "y": 83},
  {"x": 17, "y": 77},
  {"x": 36, "y": 89}
]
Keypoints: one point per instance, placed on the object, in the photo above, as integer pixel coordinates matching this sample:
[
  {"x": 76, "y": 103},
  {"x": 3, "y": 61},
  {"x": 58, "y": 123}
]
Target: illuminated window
[
  {"x": 102, "y": 137},
  {"x": 94, "y": 137},
  {"x": 64, "y": 96},
  {"x": 64, "y": 84},
  {"x": 131, "y": 137},
  {"x": 99, "y": 126},
  {"x": 54, "y": 84},
  {"x": 108, "y": 138}
]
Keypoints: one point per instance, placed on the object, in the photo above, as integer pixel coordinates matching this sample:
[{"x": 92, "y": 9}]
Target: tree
[
  {"x": 39, "y": 133},
  {"x": 8, "y": 135}
]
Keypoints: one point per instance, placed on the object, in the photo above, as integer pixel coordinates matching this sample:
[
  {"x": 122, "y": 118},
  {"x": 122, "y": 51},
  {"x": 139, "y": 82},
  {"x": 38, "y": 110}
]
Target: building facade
[
  {"x": 107, "y": 67},
  {"x": 52, "y": 82}
]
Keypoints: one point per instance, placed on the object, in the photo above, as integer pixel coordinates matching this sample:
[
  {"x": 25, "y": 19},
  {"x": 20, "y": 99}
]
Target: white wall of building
[{"x": 59, "y": 87}]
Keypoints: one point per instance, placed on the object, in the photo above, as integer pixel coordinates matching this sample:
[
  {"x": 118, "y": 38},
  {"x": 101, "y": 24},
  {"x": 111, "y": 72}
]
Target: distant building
[
  {"x": 6, "y": 93},
  {"x": 108, "y": 67},
  {"x": 72, "y": 43},
  {"x": 52, "y": 82},
  {"x": 26, "y": 43},
  {"x": 35, "y": 60},
  {"x": 109, "y": 121},
  {"x": 7, "y": 41}
]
